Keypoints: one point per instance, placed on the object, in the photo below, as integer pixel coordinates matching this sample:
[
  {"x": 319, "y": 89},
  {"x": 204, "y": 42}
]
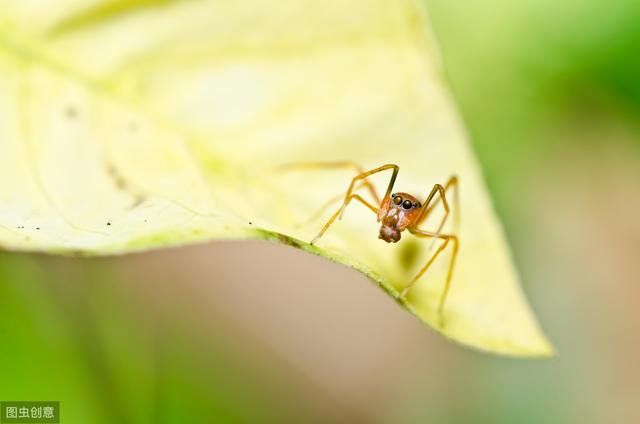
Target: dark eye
[
  {"x": 416, "y": 205},
  {"x": 397, "y": 199},
  {"x": 407, "y": 204}
]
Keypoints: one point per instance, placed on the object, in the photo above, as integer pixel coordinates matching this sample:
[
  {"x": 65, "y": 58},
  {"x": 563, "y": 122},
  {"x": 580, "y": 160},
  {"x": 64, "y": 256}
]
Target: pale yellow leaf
[{"x": 130, "y": 125}]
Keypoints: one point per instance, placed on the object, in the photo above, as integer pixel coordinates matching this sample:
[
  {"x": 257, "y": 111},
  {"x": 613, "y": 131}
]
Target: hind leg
[
  {"x": 446, "y": 239},
  {"x": 333, "y": 165}
]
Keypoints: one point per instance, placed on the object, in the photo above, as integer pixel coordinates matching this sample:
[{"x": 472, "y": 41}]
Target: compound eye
[
  {"x": 397, "y": 199},
  {"x": 407, "y": 204}
]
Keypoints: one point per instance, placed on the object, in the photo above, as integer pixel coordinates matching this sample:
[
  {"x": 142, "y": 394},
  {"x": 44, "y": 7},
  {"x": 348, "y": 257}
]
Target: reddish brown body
[{"x": 396, "y": 213}]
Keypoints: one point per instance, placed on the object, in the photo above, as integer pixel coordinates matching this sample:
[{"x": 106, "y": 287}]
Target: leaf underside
[{"x": 131, "y": 125}]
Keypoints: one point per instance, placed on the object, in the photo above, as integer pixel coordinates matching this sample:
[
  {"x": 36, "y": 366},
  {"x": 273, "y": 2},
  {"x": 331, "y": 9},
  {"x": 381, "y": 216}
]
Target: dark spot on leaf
[
  {"x": 137, "y": 201},
  {"x": 281, "y": 238},
  {"x": 71, "y": 112},
  {"x": 250, "y": 223},
  {"x": 108, "y": 223},
  {"x": 37, "y": 228},
  {"x": 119, "y": 182}
]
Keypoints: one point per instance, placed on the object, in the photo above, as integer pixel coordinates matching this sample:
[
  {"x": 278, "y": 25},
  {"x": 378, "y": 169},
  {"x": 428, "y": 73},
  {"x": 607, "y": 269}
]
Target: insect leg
[
  {"x": 335, "y": 215},
  {"x": 326, "y": 206},
  {"x": 446, "y": 238},
  {"x": 350, "y": 195},
  {"x": 428, "y": 205},
  {"x": 453, "y": 184},
  {"x": 364, "y": 175},
  {"x": 333, "y": 165}
]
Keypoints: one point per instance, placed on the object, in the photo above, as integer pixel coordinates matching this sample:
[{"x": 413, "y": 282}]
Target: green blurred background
[{"x": 550, "y": 92}]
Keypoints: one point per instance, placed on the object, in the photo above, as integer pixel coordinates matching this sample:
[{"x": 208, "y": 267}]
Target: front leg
[
  {"x": 428, "y": 207},
  {"x": 355, "y": 179},
  {"x": 349, "y": 195},
  {"x": 335, "y": 215}
]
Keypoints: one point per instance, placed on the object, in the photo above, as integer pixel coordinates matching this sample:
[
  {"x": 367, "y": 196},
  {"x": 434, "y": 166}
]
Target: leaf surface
[{"x": 131, "y": 125}]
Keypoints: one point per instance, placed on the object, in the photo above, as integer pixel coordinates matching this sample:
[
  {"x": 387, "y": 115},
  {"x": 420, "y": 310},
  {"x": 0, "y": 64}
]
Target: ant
[{"x": 398, "y": 211}]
